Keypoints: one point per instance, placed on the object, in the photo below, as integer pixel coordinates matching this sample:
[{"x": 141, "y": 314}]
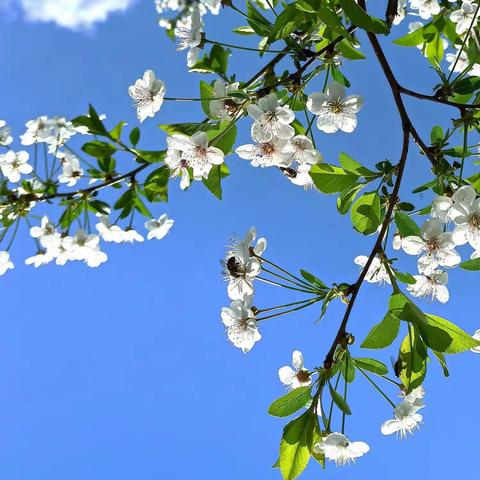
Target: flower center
[
  {"x": 432, "y": 245},
  {"x": 303, "y": 376},
  {"x": 268, "y": 148},
  {"x": 336, "y": 106},
  {"x": 474, "y": 221},
  {"x": 234, "y": 268}
]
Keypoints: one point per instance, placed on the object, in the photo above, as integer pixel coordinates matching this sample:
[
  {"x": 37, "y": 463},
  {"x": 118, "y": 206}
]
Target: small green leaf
[
  {"x": 135, "y": 136},
  {"x": 471, "y": 265},
  {"x": 405, "y": 278},
  {"x": 339, "y": 401},
  {"x": 207, "y": 94},
  {"x": 366, "y": 213},
  {"x": 331, "y": 179},
  {"x": 384, "y": 333},
  {"x": 116, "y": 133},
  {"x": 99, "y": 149},
  {"x": 371, "y": 365},
  {"x": 406, "y": 226},
  {"x": 290, "y": 403},
  {"x": 362, "y": 19}
]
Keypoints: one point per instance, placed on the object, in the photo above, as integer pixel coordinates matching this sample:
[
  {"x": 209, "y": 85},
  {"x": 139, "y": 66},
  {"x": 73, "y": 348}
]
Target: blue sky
[{"x": 124, "y": 371}]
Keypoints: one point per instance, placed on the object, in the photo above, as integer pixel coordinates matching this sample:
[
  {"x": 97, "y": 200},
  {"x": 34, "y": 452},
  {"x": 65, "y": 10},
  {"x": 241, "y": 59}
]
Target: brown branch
[
  {"x": 375, "y": 250},
  {"x": 433, "y": 98}
]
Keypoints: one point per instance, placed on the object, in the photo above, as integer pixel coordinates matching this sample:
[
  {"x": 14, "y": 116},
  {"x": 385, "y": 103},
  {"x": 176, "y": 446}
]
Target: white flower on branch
[
  {"x": 14, "y": 164},
  {"x": 464, "y": 17},
  {"x": 71, "y": 170},
  {"x": 5, "y": 134},
  {"x": 406, "y": 419},
  {"x": 432, "y": 286},
  {"x": 158, "y": 228},
  {"x": 147, "y": 93},
  {"x": 269, "y": 154},
  {"x": 441, "y": 207},
  {"x": 466, "y": 216},
  {"x": 83, "y": 246},
  {"x": 191, "y": 153},
  {"x": 5, "y": 262},
  {"x": 242, "y": 265},
  {"x": 271, "y": 120},
  {"x": 39, "y": 259},
  {"x": 46, "y": 234},
  {"x": 334, "y": 110},
  {"x": 189, "y": 34},
  {"x": 130, "y": 236},
  {"x": 297, "y": 376},
  {"x": 437, "y": 246},
  {"x": 300, "y": 149},
  {"x": 338, "y": 448},
  {"x": 55, "y": 131},
  {"x": 241, "y": 324},
  {"x": 462, "y": 63},
  {"x": 223, "y": 107},
  {"x": 377, "y": 273},
  {"x": 415, "y": 396},
  {"x": 426, "y": 8}
]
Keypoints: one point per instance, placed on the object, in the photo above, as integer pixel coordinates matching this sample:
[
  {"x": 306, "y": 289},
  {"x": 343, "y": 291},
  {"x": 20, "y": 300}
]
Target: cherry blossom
[
  {"x": 296, "y": 377},
  {"x": 5, "y": 262},
  {"x": 338, "y": 448},
  {"x": 223, "y": 107},
  {"x": 158, "y": 228},
  {"x": 334, "y": 110},
  {"x": 377, "y": 273},
  {"x": 147, "y": 93},
  {"x": 269, "y": 154},
  {"x": 432, "y": 286},
  {"x": 5, "y": 134},
  {"x": 406, "y": 419},
  {"x": 464, "y": 16},
  {"x": 426, "y": 8},
  {"x": 71, "y": 170},
  {"x": 241, "y": 324},
  {"x": 271, "y": 119},
  {"x": 15, "y": 164}
]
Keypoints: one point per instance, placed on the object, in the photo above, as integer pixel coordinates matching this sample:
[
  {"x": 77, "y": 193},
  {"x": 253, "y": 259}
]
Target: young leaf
[
  {"x": 371, "y": 365},
  {"x": 406, "y": 226},
  {"x": 362, "y": 19},
  {"x": 366, "y": 213},
  {"x": 290, "y": 403},
  {"x": 384, "y": 333},
  {"x": 294, "y": 446},
  {"x": 471, "y": 265},
  {"x": 331, "y": 179},
  {"x": 339, "y": 401}
]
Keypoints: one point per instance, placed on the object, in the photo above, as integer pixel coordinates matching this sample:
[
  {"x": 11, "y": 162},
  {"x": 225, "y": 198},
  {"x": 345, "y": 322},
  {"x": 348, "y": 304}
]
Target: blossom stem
[
  {"x": 182, "y": 99},
  {"x": 284, "y": 271},
  {"x": 329, "y": 422},
  {"x": 287, "y": 279},
  {"x": 262, "y": 310},
  {"x": 289, "y": 311},
  {"x": 379, "y": 390},
  {"x": 464, "y": 152},
  {"x": 14, "y": 234},
  {"x": 309, "y": 127},
  {"x": 250, "y": 49}
]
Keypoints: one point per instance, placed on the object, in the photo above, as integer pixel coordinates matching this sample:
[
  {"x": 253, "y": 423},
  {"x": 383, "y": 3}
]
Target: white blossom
[
  {"x": 462, "y": 63},
  {"x": 432, "y": 286},
  {"x": 338, "y": 448},
  {"x": 158, "y": 228},
  {"x": 71, "y": 170},
  {"x": 436, "y": 246},
  {"x": 147, "y": 93},
  {"x": 5, "y": 134},
  {"x": 406, "y": 419},
  {"x": 130, "y": 236},
  {"x": 297, "y": 376},
  {"x": 441, "y": 207},
  {"x": 466, "y": 216},
  {"x": 401, "y": 12},
  {"x": 269, "y": 154},
  {"x": 54, "y": 131},
  {"x": 464, "y": 17},
  {"x": 426, "y": 8},
  {"x": 46, "y": 234},
  {"x": 189, "y": 34},
  {"x": 39, "y": 259},
  {"x": 242, "y": 265},
  {"x": 241, "y": 324},
  {"x": 377, "y": 273},
  {"x": 334, "y": 110},
  {"x": 5, "y": 262},
  {"x": 82, "y": 246},
  {"x": 223, "y": 107},
  {"x": 271, "y": 120},
  {"x": 14, "y": 164}
]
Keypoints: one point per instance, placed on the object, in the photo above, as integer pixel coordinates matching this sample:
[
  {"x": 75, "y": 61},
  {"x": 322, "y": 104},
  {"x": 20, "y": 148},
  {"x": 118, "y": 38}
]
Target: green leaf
[
  {"x": 99, "y": 149},
  {"x": 362, "y": 19},
  {"x": 331, "y": 179},
  {"x": 348, "y": 374},
  {"x": 371, "y": 365},
  {"x": 152, "y": 156},
  {"x": 434, "y": 50},
  {"x": 366, "y": 213},
  {"x": 348, "y": 51},
  {"x": 339, "y": 401},
  {"x": 156, "y": 185},
  {"x": 405, "y": 278},
  {"x": 471, "y": 265},
  {"x": 460, "y": 341},
  {"x": 213, "y": 182},
  {"x": 214, "y": 62},
  {"x": 207, "y": 94},
  {"x": 116, "y": 133},
  {"x": 245, "y": 30},
  {"x": 347, "y": 197},
  {"x": 352, "y": 166},
  {"x": 412, "y": 361},
  {"x": 310, "y": 278},
  {"x": 384, "y": 333},
  {"x": 223, "y": 138},
  {"x": 290, "y": 403},
  {"x": 443, "y": 362},
  {"x": 257, "y": 21},
  {"x": 135, "y": 136},
  {"x": 285, "y": 23},
  {"x": 467, "y": 85},
  {"x": 294, "y": 446},
  {"x": 406, "y": 226}
]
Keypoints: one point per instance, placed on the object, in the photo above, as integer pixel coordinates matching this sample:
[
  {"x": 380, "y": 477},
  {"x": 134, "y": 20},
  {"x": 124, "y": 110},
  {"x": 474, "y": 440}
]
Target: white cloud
[{"x": 72, "y": 14}]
